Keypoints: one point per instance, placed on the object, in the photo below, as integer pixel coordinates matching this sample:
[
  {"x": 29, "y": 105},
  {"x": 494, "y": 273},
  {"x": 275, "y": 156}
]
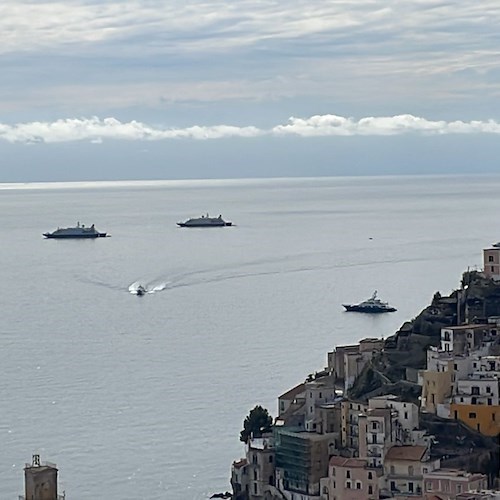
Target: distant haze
[{"x": 219, "y": 89}]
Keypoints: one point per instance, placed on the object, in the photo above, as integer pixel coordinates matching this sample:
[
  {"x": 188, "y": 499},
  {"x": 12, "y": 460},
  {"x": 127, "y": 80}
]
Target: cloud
[
  {"x": 96, "y": 130},
  {"x": 89, "y": 56},
  {"x": 327, "y": 125}
]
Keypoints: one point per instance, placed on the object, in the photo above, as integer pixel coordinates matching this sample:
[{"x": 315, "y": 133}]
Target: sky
[{"x": 184, "y": 89}]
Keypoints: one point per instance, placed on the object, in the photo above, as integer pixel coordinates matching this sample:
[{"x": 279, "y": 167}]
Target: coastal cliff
[
  {"x": 425, "y": 399},
  {"x": 394, "y": 370}
]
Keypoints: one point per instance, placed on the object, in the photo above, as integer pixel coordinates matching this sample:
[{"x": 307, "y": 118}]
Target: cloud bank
[
  {"x": 96, "y": 130},
  {"x": 81, "y": 57}
]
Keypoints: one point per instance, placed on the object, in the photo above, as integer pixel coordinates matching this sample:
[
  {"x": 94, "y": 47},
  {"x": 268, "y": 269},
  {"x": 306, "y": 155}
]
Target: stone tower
[{"x": 40, "y": 480}]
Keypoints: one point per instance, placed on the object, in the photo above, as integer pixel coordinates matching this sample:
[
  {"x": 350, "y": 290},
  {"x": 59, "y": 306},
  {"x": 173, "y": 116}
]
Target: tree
[{"x": 256, "y": 423}]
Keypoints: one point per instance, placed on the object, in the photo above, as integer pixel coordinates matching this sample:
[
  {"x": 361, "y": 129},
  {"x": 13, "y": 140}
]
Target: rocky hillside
[{"x": 394, "y": 370}]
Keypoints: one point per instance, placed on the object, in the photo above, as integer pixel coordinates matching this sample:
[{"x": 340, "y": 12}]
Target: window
[
  {"x": 270, "y": 459},
  {"x": 459, "y": 488},
  {"x": 254, "y": 458},
  {"x": 490, "y": 401},
  {"x": 475, "y": 390},
  {"x": 348, "y": 485},
  {"x": 492, "y": 269},
  {"x": 370, "y": 489},
  {"x": 374, "y": 439},
  {"x": 374, "y": 425},
  {"x": 488, "y": 389},
  {"x": 393, "y": 485},
  {"x": 410, "y": 487},
  {"x": 490, "y": 258},
  {"x": 473, "y": 401},
  {"x": 320, "y": 395},
  {"x": 447, "y": 336},
  {"x": 493, "y": 416},
  {"x": 472, "y": 414},
  {"x": 255, "y": 475},
  {"x": 358, "y": 485},
  {"x": 428, "y": 486},
  {"x": 255, "y": 488},
  {"x": 455, "y": 366},
  {"x": 333, "y": 471},
  {"x": 348, "y": 474},
  {"x": 370, "y": 475},
  {"x": 406, "y": 415}
]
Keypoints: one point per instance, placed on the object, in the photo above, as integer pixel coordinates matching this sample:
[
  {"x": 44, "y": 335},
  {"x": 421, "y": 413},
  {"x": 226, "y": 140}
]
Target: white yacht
[{"x": 371, "y": 305}]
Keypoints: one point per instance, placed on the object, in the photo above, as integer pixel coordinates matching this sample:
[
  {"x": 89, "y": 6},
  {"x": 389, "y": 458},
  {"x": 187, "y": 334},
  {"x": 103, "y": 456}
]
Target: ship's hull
[
  {"x": 75, "y": 236},
  {"x": 370, "y": 310},
  {"x": 223, "y": 224}
]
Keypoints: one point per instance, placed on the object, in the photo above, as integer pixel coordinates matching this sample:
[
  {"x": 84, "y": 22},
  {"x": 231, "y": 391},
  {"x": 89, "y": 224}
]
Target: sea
[{"x": 144, "y": 397}]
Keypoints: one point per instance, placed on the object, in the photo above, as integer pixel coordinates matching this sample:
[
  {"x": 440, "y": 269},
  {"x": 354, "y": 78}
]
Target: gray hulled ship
[
  {"x": 205, "y": 221},
  {"x": 80, "y": 231}
]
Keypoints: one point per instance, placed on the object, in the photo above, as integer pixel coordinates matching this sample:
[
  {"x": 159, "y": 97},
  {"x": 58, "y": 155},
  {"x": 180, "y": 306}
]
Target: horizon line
[{"x": 202, "y": 182}]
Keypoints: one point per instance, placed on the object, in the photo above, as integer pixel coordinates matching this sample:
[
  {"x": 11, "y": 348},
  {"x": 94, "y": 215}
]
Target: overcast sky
[{"x": 151, "y": 89}]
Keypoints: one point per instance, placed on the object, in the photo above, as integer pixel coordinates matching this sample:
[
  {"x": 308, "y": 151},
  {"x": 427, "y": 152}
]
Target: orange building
[{"x": 480, "y": 417}]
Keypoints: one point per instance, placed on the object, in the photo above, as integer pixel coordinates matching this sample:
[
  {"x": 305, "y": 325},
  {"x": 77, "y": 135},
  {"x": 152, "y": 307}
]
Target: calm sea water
[{"x": 144, "y": 397}]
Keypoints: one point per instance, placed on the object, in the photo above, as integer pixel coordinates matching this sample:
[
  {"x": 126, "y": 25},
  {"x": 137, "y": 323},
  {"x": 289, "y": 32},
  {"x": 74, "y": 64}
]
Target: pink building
[
  {"x": 448, "y": 483},
  {"x": 491, "y": 258},
  {"x": 350, "y": 479}
]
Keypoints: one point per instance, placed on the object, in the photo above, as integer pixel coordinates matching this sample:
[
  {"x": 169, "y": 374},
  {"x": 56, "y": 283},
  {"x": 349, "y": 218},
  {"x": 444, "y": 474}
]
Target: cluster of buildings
[
  {"x": 325, "y": 446},
  {"x": 462, "y": 378}
]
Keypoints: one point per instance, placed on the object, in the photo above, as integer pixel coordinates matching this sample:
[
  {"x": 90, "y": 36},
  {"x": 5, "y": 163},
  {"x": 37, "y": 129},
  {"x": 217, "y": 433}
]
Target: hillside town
[{"x": 413, "y": 416}]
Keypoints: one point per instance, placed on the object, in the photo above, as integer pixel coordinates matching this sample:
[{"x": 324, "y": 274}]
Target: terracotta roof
[
  {"x": 347, "y": 462},
  {"x": 293, "y": 391},
  {"x": 406, "y": 453}
]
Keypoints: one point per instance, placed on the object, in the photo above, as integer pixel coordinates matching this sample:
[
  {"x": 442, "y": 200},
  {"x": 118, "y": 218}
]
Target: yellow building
[
  {"x": 436, "y": 389},
  {"x": 480, "y": 417}
]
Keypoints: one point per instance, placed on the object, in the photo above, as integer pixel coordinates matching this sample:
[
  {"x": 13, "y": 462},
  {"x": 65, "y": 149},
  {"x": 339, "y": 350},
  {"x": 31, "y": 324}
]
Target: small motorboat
[{"x": 140, "y": 290}]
